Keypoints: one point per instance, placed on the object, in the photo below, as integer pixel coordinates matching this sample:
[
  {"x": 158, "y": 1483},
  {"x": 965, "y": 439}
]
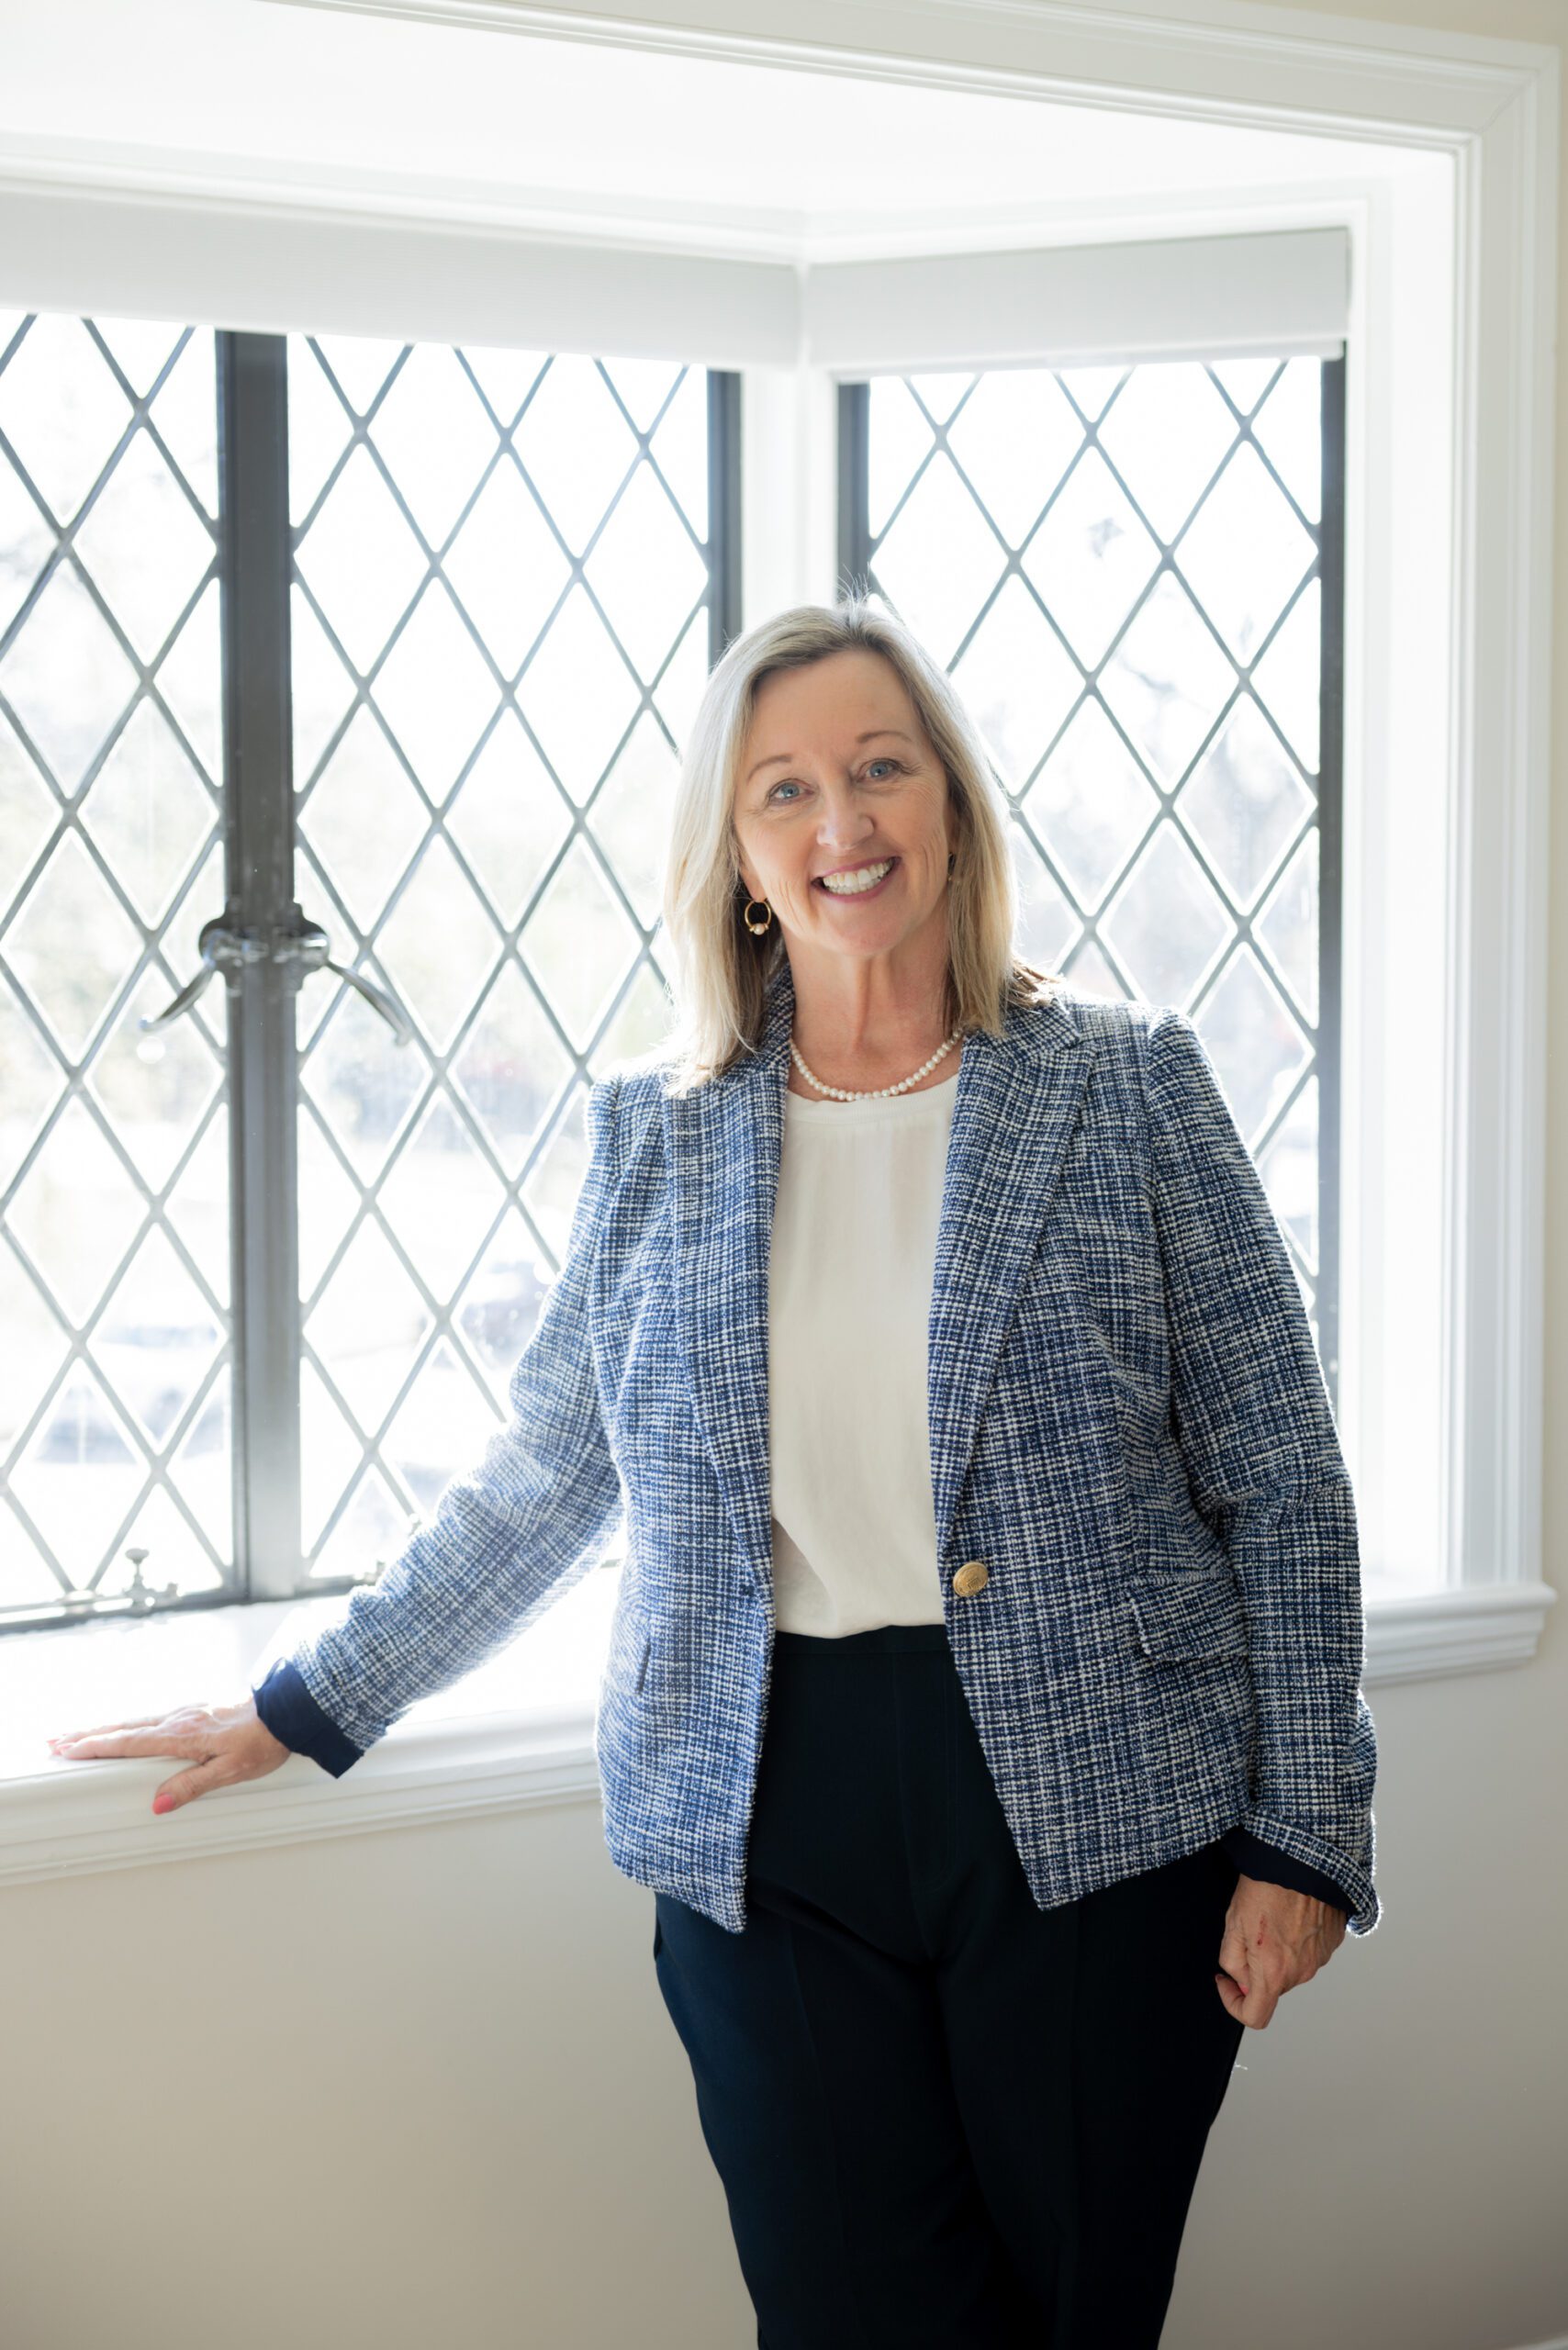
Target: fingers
[
  {"x": 109, "y": 1745},
  {"x": 101, "y": 1729},
  {"x": 186, "y": 1785}
]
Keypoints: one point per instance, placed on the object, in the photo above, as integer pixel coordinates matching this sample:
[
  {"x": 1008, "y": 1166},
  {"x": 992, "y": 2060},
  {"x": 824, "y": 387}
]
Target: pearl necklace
[{"x": 881, "y": 1092}]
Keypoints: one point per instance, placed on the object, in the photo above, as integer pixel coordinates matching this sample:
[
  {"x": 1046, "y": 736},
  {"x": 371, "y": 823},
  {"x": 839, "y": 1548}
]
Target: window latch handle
[
  {"x": 223, "y": 947},
  {"x": 307, "y": 944}
]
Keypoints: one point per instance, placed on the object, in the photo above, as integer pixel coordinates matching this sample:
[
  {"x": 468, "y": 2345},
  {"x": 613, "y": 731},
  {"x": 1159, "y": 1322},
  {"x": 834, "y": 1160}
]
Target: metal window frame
[
  {"x": 857, "y": 562},
  {"x": 259, "y": 840}
]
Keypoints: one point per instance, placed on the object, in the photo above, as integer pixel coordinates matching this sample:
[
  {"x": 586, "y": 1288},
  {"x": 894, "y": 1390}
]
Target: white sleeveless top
[{"x": 850, "y": 1270}]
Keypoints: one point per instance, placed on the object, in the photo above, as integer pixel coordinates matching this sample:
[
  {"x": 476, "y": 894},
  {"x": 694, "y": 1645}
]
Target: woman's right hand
[{"x": 221, "y": 1744}]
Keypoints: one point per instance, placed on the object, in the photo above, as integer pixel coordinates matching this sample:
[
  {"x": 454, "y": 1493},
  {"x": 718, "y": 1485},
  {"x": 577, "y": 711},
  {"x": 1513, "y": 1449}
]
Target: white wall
[{"x": 419, "y": 2086}]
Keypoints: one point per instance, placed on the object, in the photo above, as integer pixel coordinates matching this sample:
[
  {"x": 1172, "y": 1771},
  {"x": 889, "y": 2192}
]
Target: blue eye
[{"x": 789, "y": 786}]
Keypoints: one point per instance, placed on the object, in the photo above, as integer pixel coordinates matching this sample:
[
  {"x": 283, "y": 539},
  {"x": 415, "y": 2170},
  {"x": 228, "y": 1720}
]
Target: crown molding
[{"x": 1207, "y": 58}]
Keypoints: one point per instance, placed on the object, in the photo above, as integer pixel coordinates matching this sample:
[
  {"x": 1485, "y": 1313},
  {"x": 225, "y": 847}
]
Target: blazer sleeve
[
  {"x": 1251, "y": 1418},
  {"x": 507, "y": 1537}
]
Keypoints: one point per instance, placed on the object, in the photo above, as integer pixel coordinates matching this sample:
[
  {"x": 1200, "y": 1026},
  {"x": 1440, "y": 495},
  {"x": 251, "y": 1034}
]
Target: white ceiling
[{"x": 251, "y": 99}]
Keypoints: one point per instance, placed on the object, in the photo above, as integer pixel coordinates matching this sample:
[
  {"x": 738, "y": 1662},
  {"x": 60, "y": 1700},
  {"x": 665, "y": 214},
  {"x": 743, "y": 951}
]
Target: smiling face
[{"x": 843, "y": 819}]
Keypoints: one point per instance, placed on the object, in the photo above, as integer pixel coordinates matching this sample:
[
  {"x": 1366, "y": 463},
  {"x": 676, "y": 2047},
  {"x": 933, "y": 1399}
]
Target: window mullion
[
  {"x": 1330, "y": 853},
  {"x": 258, "y": 846}
]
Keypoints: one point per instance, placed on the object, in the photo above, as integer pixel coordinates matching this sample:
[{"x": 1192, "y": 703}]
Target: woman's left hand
[{"x": 1274, "y": 1938}]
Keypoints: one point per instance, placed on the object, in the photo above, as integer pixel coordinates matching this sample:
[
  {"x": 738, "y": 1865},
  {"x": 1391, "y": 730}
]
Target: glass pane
[
  {"x": 114, "y": 1210},
  {"x": 1147, "y": 678},
  {"x": 501, "y": 613}
]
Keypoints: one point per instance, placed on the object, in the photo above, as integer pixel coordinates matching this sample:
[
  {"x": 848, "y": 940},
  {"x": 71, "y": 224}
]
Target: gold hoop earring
[{"x": 757, "y": 928}]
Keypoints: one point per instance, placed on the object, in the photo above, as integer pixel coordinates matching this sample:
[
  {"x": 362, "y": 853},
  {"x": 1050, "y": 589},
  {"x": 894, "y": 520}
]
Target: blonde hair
[{"x": 722, "y": 971}]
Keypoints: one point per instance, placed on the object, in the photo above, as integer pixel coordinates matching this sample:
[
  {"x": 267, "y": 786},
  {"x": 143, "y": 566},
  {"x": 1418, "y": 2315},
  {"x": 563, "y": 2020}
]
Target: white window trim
[{"x": 1479, "y": 1113}]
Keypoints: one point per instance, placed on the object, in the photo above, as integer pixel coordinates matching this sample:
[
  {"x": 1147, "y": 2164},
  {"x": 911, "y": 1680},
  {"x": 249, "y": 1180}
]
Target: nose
[{"x": 843, "y": 823}]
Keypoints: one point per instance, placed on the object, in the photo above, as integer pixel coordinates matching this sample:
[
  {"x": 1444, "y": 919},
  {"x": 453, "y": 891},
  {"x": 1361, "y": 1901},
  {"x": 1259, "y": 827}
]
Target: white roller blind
[
  {"x": 1284, "y": 294},
  {"x": 282, "y": 273},
  {"x": 89, "y": 253}
]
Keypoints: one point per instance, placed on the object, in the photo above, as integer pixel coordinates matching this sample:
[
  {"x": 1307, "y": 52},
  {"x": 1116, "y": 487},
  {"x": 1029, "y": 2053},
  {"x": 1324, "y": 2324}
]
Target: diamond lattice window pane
[
  {"x": 1147, "y": 681},
  {"x": 34, "y": 1082},
  {"x": 436, "y": 692},
  {"x": 364, "y": 819},
  {"x": 511, "y": 1068},
  {"x": 1245, "y": 553},
  {"x": 114, "y": 1205},
  {"x": 64, "y": 678},
  {"x": 368, "y": 1325},
  {"x": 72, "y": 945},
  {"x": 1015, "y": 438},
  {"x": 942, "y": 550},
  {"x": 156, "y": 1339},
  {"x": 1090, "y": 558},
  {"x": 190, "y": 684},
  {"x": 483, "y": 837},
  {"x": 1166, "y": 927},
  {"x": 448, "y": 1417},
  {"x": 1287, "y": 927},
  {"x": 436, "y": 473},
  {"x": 578, "y": 697},
  {"x": 499, "y": 1308},
  {"x": 1166, "y": 435},
  {"x": 1018, "y": 681},
  {"x": 578, "y": 447},
  {"x": 361, "y": 560},
  {"x": 155, "y": 1087},
  {"x": 79, "y": 1476},
  {"x": 1167, "y": 681},
  {"x": 62, "y": 412},
  {"x": 507, "y": 567},
  {"x": 28, "y": 538},
  {"x": 145, "y": 546},
  {"x": 149, "y": 812},
  {"x": 441, "y": 1199},
  {"x": 1091, "y": 806},
  {"x": 1244, "y": 803},
  {"x": 1288, "y": 428}
]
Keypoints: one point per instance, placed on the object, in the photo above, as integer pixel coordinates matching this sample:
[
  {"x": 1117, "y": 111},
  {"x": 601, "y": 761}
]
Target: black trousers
[{"x": 944, "y": 2119}]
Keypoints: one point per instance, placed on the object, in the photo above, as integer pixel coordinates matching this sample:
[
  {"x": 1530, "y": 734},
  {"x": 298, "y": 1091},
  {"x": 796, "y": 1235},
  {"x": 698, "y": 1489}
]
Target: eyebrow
[{"x": 778, "y": 758}]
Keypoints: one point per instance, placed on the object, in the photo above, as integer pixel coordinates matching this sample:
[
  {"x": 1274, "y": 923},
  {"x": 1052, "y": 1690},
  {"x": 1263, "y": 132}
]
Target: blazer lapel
[{"x": 1016, "y": 1105}]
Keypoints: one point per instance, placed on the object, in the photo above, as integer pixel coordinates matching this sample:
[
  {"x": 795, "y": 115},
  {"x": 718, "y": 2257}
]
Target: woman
[{"x": 982, "y": 1702}]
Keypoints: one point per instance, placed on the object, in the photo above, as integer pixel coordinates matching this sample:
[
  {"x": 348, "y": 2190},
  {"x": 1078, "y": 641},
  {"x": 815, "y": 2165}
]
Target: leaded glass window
[
  {"x": 114, "y": 1188},
  {"x": 501, "y": 626},
  {"x": 472, "y": 597},
  {"x": 1132, "y": 574}
]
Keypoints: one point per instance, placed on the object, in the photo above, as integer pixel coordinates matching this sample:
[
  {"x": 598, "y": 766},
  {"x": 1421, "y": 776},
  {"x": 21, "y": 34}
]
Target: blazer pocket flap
[{"x": 1190, "y": 1615}]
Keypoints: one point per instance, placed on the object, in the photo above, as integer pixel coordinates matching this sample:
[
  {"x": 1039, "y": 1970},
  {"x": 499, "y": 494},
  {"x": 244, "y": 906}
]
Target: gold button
[{"x": 973, "y": 1576}]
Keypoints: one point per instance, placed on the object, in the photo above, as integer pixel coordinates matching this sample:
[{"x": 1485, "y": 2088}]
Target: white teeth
[{"x": 849, "y": 885}]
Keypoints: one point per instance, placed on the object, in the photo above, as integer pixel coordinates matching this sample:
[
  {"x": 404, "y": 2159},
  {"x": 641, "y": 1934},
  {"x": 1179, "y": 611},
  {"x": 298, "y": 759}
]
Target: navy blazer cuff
[
  {"x": 1255, "y": 1858},
  {"x": 294, "y": 1717}
]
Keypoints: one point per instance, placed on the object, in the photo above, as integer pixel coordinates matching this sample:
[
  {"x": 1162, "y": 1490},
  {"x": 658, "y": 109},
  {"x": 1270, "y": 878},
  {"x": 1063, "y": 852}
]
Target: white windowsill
[{"x": 517, "y": 1732}]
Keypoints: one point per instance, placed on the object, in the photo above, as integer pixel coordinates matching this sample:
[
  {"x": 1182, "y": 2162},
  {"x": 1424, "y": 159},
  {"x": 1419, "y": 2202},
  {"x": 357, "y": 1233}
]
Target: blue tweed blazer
[{"x": 1128, "y": 1425}]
